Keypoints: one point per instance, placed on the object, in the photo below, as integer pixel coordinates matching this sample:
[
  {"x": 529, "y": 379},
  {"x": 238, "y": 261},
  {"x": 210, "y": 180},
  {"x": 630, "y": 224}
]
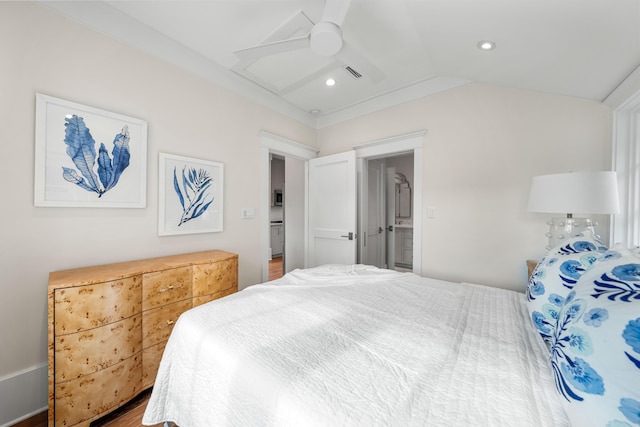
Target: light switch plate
[{"x": 248, "y": 213}]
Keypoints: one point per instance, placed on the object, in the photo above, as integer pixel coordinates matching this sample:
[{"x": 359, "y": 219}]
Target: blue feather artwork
[
  {"x": 81, "y": 149},
  {"x": 193, "y": 189}
]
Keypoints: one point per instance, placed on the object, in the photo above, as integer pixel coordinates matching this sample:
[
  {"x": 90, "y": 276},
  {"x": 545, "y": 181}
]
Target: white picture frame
[
  {"x": 88, "y": 157},
  {"x": 190, "y": 195}
]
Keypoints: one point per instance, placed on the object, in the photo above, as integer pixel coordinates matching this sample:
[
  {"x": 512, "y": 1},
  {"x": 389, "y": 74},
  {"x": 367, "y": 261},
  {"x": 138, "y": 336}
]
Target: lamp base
[{"x": 561, "y": 229}]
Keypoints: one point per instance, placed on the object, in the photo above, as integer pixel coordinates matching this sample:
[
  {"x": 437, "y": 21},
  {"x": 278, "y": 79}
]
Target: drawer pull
[{"x": 168, "y": 288}]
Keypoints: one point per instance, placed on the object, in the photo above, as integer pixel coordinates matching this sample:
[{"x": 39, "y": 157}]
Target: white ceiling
[{"x": 582, "y": 48}]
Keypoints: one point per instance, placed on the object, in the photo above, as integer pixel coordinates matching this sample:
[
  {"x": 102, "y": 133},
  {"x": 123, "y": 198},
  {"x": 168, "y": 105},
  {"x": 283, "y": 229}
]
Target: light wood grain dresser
[{"x": 109, "y": 324}]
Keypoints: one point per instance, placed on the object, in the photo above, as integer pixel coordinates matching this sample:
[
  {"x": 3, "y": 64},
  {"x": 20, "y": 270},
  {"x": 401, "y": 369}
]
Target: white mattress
[{"x": 356, "y": 346}]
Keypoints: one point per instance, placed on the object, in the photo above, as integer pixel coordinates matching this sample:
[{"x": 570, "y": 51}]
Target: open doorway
[
  {"x": 276, "y": 217},
  {"x": 286, "y": 215},
  {"x": 295, "y": 156},
  {"x": 387, "y": 212}
]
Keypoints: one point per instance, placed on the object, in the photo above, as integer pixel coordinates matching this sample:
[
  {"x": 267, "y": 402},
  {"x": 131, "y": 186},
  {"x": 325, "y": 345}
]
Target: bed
[{"x": 357, "y": 346}]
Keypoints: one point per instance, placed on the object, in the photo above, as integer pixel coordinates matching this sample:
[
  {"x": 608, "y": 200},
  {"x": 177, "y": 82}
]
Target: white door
[
  {"x": 332, "y": 210},
  {"x": 391, "y": 218},
  {"x": 374, "y": 215}
]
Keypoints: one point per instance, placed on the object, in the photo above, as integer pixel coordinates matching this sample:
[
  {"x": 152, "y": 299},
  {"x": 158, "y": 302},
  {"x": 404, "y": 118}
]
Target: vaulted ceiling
[{"x": 394, "y": 50}]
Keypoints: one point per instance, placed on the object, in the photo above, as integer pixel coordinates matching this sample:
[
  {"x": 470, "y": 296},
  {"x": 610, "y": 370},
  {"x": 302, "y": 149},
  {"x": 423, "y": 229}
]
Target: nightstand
[{"x": 531, "y": 265}]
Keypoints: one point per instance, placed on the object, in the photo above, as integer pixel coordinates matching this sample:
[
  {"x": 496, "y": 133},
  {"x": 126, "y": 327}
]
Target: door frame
[
  {"x": 274, "y": 144},
  {"x": 390, "y": 216},
  {"x": 389, "y": 147}
]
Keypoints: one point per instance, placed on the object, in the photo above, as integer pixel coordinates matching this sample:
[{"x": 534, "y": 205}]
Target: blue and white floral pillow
[
  {"x": 555, "y": 276},
  {"x": 595, "y": 349}
]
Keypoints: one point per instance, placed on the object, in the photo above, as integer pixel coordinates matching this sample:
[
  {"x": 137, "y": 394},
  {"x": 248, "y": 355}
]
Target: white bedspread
[{"x": 356, "y": 346}]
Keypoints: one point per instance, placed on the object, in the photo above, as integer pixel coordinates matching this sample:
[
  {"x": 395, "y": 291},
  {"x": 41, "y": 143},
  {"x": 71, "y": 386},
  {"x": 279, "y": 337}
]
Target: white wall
[
  {"x": 294, "y": 221},
  {"x": 483, "y": 145},
  {"x": 46, "y": 53}
]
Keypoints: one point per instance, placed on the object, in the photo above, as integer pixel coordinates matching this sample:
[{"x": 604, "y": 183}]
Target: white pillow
[
  {"x": 555, "y": 276},
  {"x": 595, "y": 349}
]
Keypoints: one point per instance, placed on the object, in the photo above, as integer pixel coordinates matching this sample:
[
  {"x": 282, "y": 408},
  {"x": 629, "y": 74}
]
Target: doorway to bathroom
[{"x": 387, "y": 211}]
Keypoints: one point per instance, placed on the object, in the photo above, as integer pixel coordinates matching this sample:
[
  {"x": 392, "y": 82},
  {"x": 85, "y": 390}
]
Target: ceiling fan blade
[
  {"x": 299, "y": 23},
  {"x": 335, "y": 11},
  {"x": 257, "y": 52},
  {"x": 350, "y": 57}
]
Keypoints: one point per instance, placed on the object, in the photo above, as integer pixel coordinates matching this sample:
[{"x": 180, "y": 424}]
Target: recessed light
[
  {"x": 486, "y": 45},
  {"x": 314, "y": 112},
  {"x": 330, "y": 82}
]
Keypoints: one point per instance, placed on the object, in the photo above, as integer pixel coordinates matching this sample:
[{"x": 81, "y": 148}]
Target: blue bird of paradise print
[
  {"x": 81, "y": 149},
  {"x": 193, "y": 189}
]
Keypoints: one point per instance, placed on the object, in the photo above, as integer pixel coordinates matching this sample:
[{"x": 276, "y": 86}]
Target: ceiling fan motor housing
[{"x": 326, "y": 39}]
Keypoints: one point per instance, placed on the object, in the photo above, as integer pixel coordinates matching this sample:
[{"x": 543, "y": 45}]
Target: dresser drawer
[
  {"x": 210, "y": 297},
  {"x": 151, "y": 357},
  {"x": 166, "y": 286},
  {"x": 89, "y": 351},
  {"x": 206, "y": 298},
  {"x": 231, "y": 290},
  {"x": 158, "y": 323},
  {"x": 215, "y": 277},
  {"x": 87, "y": 397},
  {"x": 86, "y": 307}
]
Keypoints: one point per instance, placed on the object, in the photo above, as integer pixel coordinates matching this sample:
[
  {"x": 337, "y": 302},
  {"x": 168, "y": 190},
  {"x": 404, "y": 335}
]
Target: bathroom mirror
[{"x": 403, "y": 197}]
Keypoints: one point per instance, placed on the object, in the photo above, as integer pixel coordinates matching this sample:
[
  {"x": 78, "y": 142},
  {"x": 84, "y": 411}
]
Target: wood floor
[
  {"x": 275, "y": 268},
  {"x": 129, "y": 415},
  {"x": 38, "y": 420}
]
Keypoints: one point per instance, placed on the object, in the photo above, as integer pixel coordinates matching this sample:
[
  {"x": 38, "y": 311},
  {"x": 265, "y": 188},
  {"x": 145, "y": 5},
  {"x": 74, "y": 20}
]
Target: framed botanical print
[
  {"x": 88, "y": 157},
  {"x": 190, "y": 195}
]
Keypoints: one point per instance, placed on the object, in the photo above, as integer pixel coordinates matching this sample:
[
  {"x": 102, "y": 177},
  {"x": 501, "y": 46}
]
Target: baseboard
[{"x": 23, "y": 394}]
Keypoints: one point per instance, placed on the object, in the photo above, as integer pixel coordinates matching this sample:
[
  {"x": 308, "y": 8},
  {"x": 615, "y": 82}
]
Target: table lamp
[{"x": 573, "y": 192}]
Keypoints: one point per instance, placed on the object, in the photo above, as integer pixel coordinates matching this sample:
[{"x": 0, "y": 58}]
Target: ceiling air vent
[{"x": 353, "y": 72}]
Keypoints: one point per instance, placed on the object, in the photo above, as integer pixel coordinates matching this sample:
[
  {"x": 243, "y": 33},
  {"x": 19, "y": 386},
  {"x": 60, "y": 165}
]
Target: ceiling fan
[{"x": 324, "y": 38}]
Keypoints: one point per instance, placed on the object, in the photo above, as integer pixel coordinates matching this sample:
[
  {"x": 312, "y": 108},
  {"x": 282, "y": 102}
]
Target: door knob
[
  {"x": 390, "y": 228},
  {"x": 380, "y": 230}
]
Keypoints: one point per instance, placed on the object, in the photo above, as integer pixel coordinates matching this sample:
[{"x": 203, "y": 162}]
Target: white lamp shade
[{"x": 575, "y": 192}]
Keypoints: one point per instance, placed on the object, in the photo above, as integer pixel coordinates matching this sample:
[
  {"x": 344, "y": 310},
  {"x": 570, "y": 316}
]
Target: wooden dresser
[{"x": 109, "y": 324}]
